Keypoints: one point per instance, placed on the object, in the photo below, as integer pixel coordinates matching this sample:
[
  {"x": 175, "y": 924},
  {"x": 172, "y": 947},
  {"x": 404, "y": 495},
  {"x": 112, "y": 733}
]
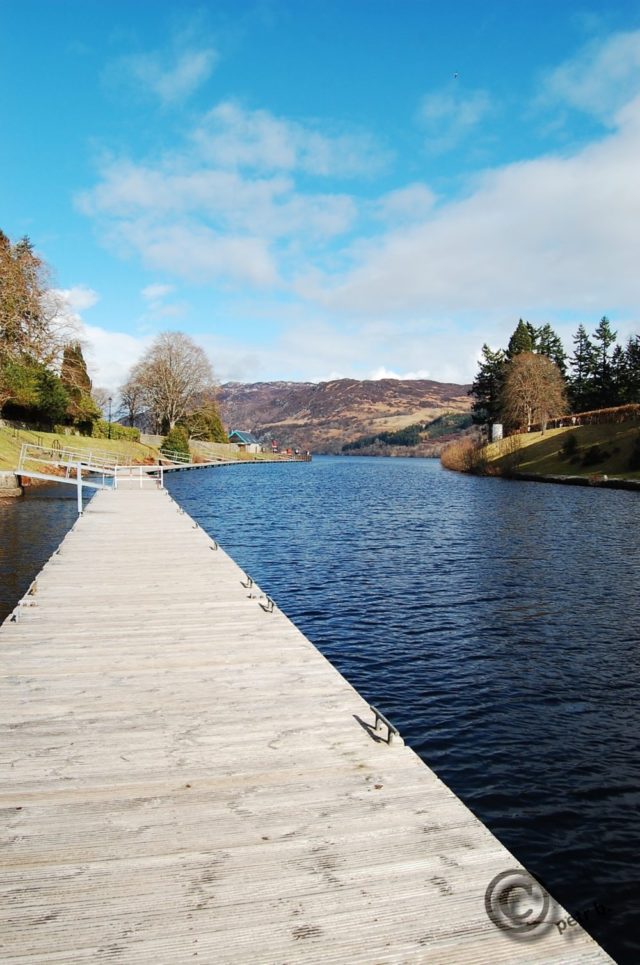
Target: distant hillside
[{"x": 324, "y": 416}]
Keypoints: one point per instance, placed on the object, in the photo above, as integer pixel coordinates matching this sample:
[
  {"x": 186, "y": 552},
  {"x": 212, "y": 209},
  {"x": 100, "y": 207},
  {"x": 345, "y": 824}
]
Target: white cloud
[
  {"x": 197, "y": 253},
  {"x": 545, "y": 235},
  {"x": 268, "y": 206},
  {"x": 411, "y": 203},
  {"x": 450, "y": 114},
  {"x": 600, "y": 79},
  {"x": 381, "y": 372},
  {"x": 110, "y": 355},
  {"x": 169, "y": 77},
  {"x": 156, "y": 293},
  {"x": 233, "y": 137},
  {"x": 79, "y": 298}
]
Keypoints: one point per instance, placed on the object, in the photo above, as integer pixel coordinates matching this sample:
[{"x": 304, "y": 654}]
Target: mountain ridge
[{"x": 323, "y": 416}]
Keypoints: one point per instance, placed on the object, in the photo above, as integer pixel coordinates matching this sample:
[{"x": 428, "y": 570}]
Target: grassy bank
[
  {"x": 127, "y": 452},
  {"x": 611, "y": 450}
]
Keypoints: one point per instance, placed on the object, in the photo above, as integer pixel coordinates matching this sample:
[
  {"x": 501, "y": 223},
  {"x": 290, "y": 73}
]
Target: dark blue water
[
  {"x": 496, "y": 623},
  {"x": 31, "y": 527}
]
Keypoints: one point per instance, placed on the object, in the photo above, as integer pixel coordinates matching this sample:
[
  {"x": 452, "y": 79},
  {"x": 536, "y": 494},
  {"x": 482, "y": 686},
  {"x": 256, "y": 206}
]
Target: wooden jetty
[{"x": 184, "y": 777}]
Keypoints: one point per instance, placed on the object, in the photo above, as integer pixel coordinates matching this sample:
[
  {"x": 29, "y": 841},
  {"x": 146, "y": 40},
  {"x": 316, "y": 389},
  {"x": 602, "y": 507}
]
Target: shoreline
[{"x": 605, "y": 482}]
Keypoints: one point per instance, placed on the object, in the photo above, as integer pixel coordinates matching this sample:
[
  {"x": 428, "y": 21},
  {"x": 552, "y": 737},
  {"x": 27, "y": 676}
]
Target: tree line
[
  {"x": 43, "y": 375},
  {"x": 534, "y": 380}
]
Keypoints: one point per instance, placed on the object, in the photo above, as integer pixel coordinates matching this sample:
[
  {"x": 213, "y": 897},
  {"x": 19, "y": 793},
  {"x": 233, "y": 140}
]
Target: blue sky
[{"x": 320, "y": 189}]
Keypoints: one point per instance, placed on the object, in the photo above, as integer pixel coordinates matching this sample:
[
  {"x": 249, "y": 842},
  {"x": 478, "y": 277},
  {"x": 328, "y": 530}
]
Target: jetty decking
[{"x": 185, "y": 778}]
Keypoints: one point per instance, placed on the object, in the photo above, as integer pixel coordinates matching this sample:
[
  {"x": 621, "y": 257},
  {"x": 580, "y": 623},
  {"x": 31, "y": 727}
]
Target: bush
[
  {"x": 595, "y": 455},
  {"x": 634, "y": 459},
  {"x": 569, "y": 445},
  {"x": 176, "y": 441},
  {"x": 464, "y": 455},
  {"x": 100, "y": 430},
  {"x": 205, "y": 424},
  {"x": 33, "y": 393}
]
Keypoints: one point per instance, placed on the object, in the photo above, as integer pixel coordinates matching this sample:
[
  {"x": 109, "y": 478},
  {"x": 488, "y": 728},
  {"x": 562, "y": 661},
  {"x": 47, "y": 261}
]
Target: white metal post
[
  {"x": 161, "y": 477},
  {"x": 79, "y": 485},
  {"x": 140, "y": 477}
]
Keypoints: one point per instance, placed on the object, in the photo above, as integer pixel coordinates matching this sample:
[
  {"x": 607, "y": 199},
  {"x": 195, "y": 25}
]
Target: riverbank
[
  {"x": 590, "y": 455},
  {"x": 125, "y": 452},
  {"x": 12, "y": 439}
]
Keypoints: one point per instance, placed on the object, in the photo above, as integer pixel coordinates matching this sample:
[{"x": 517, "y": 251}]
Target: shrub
[
  {"x": 100, "y": 430},
  {"x": 204, "y": 424},
  {"x": 176, "y": 440},
  {"x": 464, "y": 455},
  {"x": 634, "y": 459},
  {"x": 32, "y": 392},
  {"x": 595, "y": 455},
  {"x": 569, "y": 445}
]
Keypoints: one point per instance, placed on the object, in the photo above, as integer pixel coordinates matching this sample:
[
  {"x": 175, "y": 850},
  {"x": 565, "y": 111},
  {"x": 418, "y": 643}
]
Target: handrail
[
  {"x": 96, "y": 459},
  {"x": 175, "y": 456},
  {"x": 45, "y": 458}
]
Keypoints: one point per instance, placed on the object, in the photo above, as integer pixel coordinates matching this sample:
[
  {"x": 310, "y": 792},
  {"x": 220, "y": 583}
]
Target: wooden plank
[{"x": 184, "y": 776}]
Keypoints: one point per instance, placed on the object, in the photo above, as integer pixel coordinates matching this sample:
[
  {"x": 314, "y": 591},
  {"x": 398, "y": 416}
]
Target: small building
[{"x": 245, "y": 441}]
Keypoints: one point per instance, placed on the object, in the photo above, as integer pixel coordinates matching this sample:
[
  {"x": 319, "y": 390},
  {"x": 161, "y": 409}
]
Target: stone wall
[{"x": 9, "y": 485}]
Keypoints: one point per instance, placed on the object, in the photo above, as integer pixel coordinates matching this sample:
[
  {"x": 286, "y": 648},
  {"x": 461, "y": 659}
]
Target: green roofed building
[{"x": 245, "y": 441}]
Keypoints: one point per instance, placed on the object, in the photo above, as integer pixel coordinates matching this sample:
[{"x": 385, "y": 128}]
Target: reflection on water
[
  {"x": 31, "y": 527},
  {"x": 497, "y": 624}
]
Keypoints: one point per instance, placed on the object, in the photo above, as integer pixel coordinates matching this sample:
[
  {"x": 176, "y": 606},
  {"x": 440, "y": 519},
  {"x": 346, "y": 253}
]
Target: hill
[
  {"x": 611, "y": 449},
  {"x": 323, "y": 416}
]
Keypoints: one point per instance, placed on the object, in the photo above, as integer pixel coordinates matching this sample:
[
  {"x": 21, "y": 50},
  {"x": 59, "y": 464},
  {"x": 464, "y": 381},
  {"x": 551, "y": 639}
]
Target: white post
[
  {"x": 115, "y": 478},
  {"x": 140, "y": 477},
  {"x": 161, "y": 477},
  {"x": 79, "y": 485}
]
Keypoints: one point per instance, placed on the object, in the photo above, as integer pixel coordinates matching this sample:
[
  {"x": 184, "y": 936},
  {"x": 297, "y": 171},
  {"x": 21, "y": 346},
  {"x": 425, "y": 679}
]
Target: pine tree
[
  {"x": 487, "y": 386},
  {"x": 521, "y": 340},
  {"x": 630, "y": 378},
  {"x": 82, "y": 409},
  {"x": 604, "y": 388},
  {"x": 547, "y": 342},
  {"x": 582, "y": 365}
]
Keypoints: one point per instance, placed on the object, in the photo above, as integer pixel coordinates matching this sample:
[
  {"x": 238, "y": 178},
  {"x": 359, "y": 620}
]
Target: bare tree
[
  {"x": 33, "y": 320},
  {"x": 133, "y": 397},
  {"x": 533, "y": 391},
  {"x": 173, "y": 374},
  {"x": 101, "y": 397}
]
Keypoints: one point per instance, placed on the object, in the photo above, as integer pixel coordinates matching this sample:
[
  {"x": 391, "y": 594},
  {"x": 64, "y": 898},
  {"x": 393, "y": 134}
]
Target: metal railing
[
  {"x": 101, "y": 468},
  {"x": 175, "y": 456}
]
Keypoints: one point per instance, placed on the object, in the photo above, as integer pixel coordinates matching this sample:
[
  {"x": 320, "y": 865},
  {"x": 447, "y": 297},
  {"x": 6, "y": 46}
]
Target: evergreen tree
[
  {"x": 582, "y": 365},
  {"x": 604, "y": 389},
  {"x": 52, "y": 397},
  {"x": 487, "y": 386},
  {"x": 547, "y": 342},
  {"x": 629, "y": 378},
  {"x": 176, "y": 441},
  {"x": 618, "y": 375},
  {"x": 82, "y": 408},
  {"x": 521, "y": 340},
  {"x": 204, "y": 423}
]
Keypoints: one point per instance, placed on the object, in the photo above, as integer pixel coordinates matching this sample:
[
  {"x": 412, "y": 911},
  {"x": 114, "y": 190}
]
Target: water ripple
[{"x": 497, "y": 624}]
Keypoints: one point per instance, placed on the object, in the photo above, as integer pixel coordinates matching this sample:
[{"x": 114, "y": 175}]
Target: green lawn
[
  {"x": 542, "y": 453},
  {"x": 11, "y": 440}
]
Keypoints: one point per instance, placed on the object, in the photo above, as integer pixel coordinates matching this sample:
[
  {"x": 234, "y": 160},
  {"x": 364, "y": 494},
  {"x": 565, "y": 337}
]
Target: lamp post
[{"x": 110, "y": 416}]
